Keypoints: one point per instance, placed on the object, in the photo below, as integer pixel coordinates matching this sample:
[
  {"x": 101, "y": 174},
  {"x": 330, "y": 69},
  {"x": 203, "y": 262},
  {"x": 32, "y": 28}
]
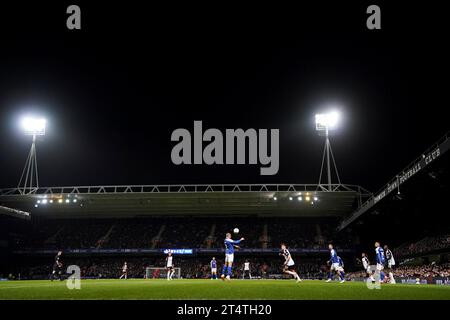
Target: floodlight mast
[
  {"x": 29, "y": 180},
  {"x": 325, "y": 123}
]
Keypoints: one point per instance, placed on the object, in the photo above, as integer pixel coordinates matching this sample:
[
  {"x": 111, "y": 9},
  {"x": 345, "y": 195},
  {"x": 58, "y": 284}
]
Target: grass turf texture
[{"x": 216, "y": 289}]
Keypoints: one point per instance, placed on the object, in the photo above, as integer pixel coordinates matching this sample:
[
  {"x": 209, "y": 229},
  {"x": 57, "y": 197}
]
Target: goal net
[{"x": 161, "y": 273}]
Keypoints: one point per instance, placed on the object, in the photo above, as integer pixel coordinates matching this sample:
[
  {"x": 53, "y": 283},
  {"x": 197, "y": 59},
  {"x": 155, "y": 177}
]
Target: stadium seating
[
  {"x": 177, "y": 233},
  {"x": 423, "y": 246}
]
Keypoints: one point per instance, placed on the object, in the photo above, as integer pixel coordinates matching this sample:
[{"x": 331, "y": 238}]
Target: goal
[{"x": 161, "y": 273}]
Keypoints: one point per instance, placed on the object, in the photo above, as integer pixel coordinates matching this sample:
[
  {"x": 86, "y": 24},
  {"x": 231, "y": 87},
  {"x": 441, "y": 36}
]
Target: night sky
[{"x": 114, "y": 91}]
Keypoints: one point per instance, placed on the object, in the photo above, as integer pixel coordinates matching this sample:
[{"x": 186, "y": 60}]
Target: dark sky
[{"x": 114, "y": 91}]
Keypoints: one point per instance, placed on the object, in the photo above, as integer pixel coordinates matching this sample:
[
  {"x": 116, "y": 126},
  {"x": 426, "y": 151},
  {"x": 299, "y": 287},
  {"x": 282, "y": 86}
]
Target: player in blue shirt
[
  {"x": 379, "y": 255},
  {"x": 335, "y": 265},
  {"x": 230, "y": 244},
  {"x": 341, "y": 262},
  {"x": 213, "y": 265}
]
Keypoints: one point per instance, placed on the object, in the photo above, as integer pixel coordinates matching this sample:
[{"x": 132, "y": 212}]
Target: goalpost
[{"x": 161, "y": 273}]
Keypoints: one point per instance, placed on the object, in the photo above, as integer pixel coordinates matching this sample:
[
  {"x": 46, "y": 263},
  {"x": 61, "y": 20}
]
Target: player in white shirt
[
  {"x": 289, "y": 264},
  {"x": 246, "y": 269},
  {"x": 366, "y": 265},
  {"x": 390, "y": 263},
  {"x": 124, "y": 271},
  {"x": 169, "y": 266}
]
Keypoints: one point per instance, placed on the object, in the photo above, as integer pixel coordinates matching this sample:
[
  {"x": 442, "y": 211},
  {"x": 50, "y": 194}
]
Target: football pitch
[{"x": 216, "y": 289}]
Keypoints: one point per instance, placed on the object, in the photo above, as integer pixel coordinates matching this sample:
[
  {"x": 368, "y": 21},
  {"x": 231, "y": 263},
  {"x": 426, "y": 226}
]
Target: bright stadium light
[
  {"x": 325, "y": 124},
  {"x": 29, "y": 180},
  {"x": 327, "y": 121},
  {"x": 33, "y": 126}
]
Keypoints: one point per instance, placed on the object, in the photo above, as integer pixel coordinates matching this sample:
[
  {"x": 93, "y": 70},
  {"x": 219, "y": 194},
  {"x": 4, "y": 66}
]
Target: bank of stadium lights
[
  {"x": 307, "y": 198},
  {"x": 56, "y": 199},
  {"x": 29, "y": 180}
]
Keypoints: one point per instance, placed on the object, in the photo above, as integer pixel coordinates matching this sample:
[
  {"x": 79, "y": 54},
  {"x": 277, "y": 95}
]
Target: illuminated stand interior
[{"x": 29, "y": 180}]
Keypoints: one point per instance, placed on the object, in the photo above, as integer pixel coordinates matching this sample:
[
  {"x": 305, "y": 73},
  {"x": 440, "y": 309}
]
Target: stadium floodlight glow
[
  {"x": 290, "y": 198},
  {"x": 29, "y": 180},
  {"x": 315, "y": 198},
  {"x": 74, "y": 200},
  {"x": 307, "y": 198},
  {"x": 60, "y": 201},
  {"x": 327, "y": 121},
  {"x": 275, "y": 198},
  {"x": 33, "y": 126},
  {"x": 300, "y": 198},
  {"x": 67, "y": 200}
]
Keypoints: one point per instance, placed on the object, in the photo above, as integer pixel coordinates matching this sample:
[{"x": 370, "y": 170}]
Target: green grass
[{"x": 210, "y": 289}]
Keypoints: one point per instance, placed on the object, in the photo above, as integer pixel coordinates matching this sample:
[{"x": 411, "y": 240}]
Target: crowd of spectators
[
  {"x": 185, "y": 234},
  {"x": 306, "y": 234},
  {"x": 425, "y": 271},
  {"x": 414, "y": 271},
  {"x": 174, "y": 233},
  {"x": 131, "y": 234},
  {"x": 423, "y": 246}
]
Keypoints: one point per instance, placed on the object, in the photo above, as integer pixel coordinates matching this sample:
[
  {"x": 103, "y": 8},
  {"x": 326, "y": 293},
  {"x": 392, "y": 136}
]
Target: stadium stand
[
  {"x": 177, "y": 233},
  {"x": 424, "y": 246},
  {"x": 428, "y": 271},
  {"x": 407, "y": 220}
]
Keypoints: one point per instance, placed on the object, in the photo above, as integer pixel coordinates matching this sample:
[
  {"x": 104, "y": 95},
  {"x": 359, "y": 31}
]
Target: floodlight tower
[
  {"x": 325, "y": 124},
  {"x": 29, "y": 180}
]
